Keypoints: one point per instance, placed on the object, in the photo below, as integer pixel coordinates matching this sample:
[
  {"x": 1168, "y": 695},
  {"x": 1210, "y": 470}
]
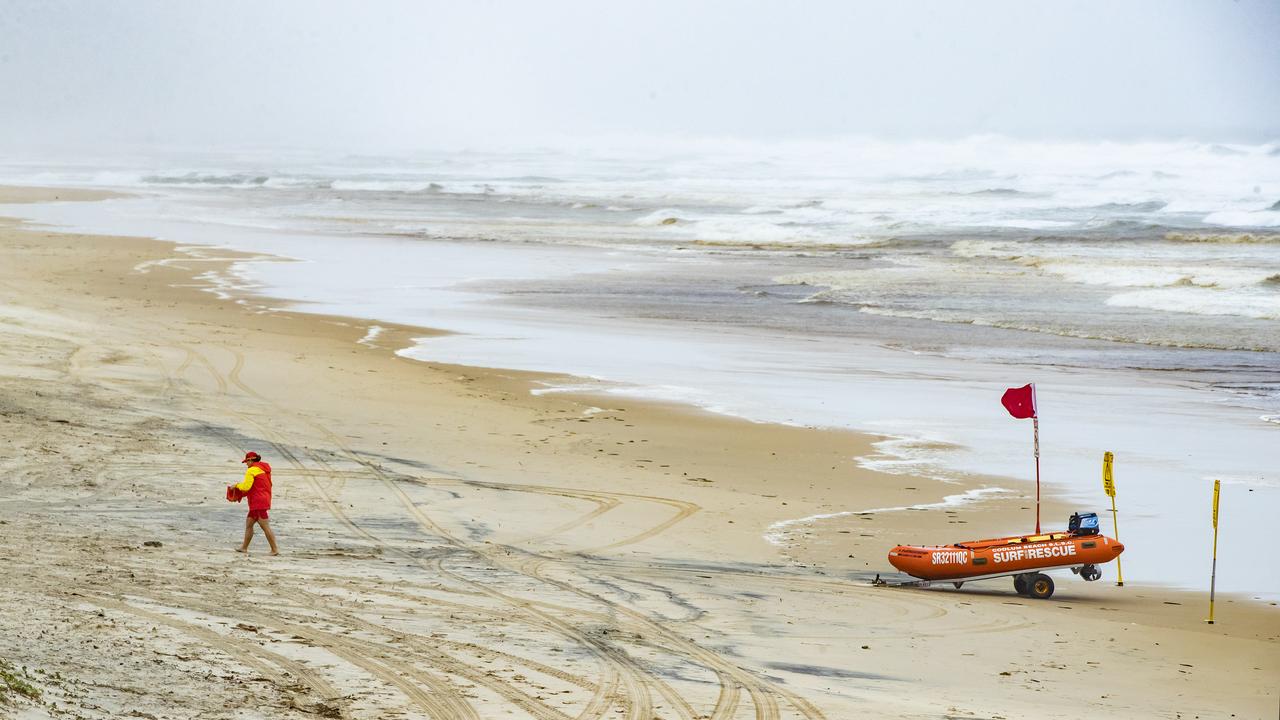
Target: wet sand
[{"x": 455, "y": 547}]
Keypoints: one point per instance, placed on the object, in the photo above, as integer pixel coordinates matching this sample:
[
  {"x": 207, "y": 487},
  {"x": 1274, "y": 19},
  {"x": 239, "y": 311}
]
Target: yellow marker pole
[
  {"x": 1109, "y": 485},
  {"x": 1213, "y": 578}
]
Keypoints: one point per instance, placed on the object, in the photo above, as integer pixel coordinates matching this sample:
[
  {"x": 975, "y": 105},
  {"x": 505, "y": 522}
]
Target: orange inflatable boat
[{"x": 1022, "y": 557}]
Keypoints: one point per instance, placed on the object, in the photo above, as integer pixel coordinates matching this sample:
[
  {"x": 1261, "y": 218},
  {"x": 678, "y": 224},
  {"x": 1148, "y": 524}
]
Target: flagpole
[
  {"x": 1035, "y": 423},
  {"x": 1021, "y": 403},
  {"x": 1213, "y": 577}
]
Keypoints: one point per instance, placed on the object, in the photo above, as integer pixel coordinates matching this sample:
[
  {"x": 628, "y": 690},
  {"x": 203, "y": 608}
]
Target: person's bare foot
[
  {"x": 275, "y": 553},
  {"x": 242, "y": 550}
]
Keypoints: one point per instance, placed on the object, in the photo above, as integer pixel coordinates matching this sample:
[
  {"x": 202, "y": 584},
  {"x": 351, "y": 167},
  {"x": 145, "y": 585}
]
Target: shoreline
[
  {"x": 407, "y": 338},
  {"x": 962, "y": 436},
  {"x": 536, "y": 488}
]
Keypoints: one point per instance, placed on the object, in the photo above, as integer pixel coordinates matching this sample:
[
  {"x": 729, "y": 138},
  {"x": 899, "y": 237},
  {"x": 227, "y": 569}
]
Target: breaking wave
[
  {"x": 665, "y": 216},
  {"x": 199, "y": 179}
]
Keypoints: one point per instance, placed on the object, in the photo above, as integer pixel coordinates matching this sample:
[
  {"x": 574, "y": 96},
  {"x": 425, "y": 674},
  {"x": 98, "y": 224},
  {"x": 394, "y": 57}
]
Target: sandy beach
[{"x": 454, "y": 546}]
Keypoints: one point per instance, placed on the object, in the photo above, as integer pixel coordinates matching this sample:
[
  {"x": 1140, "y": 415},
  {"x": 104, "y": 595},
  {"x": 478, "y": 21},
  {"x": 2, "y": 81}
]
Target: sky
[{"x": 440, "y": 75}]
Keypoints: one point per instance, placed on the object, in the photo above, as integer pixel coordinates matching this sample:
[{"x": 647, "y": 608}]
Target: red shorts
[{"x": 258, "y": 514}]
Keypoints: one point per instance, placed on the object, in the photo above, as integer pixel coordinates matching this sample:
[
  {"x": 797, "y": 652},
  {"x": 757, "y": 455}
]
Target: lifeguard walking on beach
[{"x": 257, "y": 487}]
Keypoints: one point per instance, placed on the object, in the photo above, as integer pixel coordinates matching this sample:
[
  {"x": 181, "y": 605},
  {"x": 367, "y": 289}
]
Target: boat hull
[{"x": 999, "y": 557}]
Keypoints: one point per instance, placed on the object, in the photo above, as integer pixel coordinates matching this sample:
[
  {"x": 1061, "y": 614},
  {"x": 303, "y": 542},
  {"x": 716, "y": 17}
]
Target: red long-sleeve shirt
[{"x": 257, "y": 485}]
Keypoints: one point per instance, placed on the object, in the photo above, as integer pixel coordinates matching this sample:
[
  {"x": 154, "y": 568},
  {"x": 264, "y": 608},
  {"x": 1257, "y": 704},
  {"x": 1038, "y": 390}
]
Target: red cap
[{"x": 251, "y": 456}]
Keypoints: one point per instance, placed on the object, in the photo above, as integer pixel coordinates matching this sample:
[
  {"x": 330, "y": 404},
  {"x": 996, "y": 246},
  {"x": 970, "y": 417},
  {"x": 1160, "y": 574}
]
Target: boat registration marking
[{"x": 950, "y": 557}]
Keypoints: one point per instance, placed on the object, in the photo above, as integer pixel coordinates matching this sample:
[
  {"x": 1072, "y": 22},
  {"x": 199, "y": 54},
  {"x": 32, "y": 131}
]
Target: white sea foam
[
  {"x": 1201, "y": 281},
  {"x": 1124, "y": 274},
  {"x": 779, "y": 533},
  {"x": 219, "y": 285},
  {"x": 748, "y": 230},
  {"x": 371, "y": 335},
  {"x": 911, "y": 455},
  {"x": 1262, "y": 305},
  {"x": 383, "y": 185},
  {"x": 677, "y": 394},
  {"x": 554, "y": 389},
  {"x": 1237, "y": 218}
]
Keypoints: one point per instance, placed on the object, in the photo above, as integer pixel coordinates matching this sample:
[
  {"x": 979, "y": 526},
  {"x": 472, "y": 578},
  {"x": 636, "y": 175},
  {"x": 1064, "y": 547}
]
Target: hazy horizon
[{"x": 398, "y": 76}]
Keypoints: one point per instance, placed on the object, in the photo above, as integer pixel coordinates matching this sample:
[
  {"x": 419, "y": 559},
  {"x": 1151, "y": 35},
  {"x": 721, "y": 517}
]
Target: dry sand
[{"x": 455, "y": 547}]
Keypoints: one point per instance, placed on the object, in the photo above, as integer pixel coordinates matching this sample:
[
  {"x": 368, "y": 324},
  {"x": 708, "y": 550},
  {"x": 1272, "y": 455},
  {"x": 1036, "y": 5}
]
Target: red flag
[{"x": 1020, "y": 402}]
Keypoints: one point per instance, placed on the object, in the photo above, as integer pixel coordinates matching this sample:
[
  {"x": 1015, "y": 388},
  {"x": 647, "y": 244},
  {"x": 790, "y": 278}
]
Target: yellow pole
[
  {"x": 1109, "y": 485},
  {"x": 1213, "y": 577}
]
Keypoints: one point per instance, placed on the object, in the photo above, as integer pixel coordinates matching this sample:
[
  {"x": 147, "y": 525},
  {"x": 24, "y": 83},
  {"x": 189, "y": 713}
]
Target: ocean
[{"x": 895, "y": 288}]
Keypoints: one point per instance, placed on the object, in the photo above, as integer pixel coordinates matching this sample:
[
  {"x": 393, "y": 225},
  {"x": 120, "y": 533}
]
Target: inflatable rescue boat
[{"x": 1023, "y": 557}]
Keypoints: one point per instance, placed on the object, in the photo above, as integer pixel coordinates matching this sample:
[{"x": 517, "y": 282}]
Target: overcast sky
[{"x": 437, "y": 75}]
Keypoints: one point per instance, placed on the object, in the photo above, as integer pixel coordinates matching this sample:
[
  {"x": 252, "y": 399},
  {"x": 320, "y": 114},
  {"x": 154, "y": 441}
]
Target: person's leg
[
  {"x": 271, "y": 537},
  {"x": 248, "y": 534}
]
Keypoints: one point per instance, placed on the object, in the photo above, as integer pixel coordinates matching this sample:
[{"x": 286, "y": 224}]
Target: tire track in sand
[
  {"x": 617, "y": 667},
  {"x": 260, "y": 659},
  {"x": 455, "y": 705},
  {"x": 441, "y": 702},
  {"x": 448, "y": 662},
  {"x": 731, "y": 677},
  {"x": 603, "y": 699}
]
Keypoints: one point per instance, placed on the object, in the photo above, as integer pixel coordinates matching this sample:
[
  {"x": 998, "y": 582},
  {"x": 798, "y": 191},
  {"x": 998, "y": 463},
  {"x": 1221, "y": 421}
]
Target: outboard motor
[
  {"x": 1083, "y": 524},
  {"x": 1089, "y": 572}
]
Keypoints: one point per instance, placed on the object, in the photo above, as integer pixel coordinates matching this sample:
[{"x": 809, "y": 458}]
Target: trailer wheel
[
  {"x": 1041, "y": 586},
  {"x": 1020, "y": 584},
  {"x": 1090, "y": 573}
]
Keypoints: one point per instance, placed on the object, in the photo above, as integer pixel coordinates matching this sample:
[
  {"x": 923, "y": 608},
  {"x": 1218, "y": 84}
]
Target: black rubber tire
[
  {"x": 1020, "y": 584},
  {"x": 959, "y": 584},
  {"x": 1040, "y": 587}
]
